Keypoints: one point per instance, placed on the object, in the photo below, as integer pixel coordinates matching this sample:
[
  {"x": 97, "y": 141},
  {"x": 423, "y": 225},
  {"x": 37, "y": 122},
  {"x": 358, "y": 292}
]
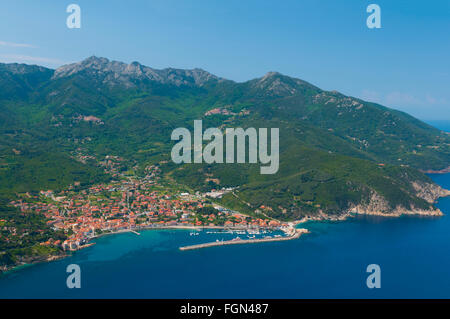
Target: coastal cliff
[
  {"x": 430, "y": 191},
  {"x": 377, "y": 205},
  {"x": 440, "y": 171}
]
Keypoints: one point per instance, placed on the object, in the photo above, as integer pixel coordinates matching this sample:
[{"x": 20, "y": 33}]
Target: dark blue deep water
[{"x": 413, "y": 253}]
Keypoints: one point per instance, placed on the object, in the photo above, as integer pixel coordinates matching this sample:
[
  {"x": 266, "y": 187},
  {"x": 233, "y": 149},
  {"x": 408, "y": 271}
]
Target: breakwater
[{"x": 296, "y": 233}]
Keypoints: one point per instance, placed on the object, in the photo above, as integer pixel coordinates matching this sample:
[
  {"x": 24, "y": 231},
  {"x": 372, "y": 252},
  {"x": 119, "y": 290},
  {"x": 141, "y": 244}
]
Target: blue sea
[{"x": 330, "y": 262}]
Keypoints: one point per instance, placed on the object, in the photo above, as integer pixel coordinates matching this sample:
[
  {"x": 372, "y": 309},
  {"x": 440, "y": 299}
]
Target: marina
[{"x": 294, "y": 234}]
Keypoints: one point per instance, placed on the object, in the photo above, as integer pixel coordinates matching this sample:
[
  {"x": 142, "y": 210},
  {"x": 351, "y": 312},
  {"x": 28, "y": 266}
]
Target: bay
[{"x": 330, "y": 262}]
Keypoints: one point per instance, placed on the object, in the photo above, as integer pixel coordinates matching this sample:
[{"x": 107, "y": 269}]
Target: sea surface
[{"x": 330, "y": 262}]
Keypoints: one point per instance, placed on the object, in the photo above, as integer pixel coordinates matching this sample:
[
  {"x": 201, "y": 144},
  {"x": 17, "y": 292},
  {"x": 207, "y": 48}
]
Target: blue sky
[{"x": 404, "y": 65}]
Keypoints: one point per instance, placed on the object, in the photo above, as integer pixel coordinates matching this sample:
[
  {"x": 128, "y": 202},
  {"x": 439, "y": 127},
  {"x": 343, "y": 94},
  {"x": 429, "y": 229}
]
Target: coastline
[
  {"x": 351, "y": 214},
  {"x": 121, "y": 231},
  {"x": 298, "y": 231},
  {"x": 438, "y": 192},
  {"x": 441, "y": 171},
  {"x": 368, "y": 211},
  {"x": 32, "y": 263},
  {"x": 134, "y": 230},
  {"x": 332, "y": 243}
]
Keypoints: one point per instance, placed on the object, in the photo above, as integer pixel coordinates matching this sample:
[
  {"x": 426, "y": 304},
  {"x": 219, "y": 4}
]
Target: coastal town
[{"x": 132, "y": 203}]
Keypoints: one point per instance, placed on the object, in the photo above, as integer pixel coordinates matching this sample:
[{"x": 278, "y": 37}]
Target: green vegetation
[
  {"x": 20, "y": 235},
  {"x": 334, "y": 150}
]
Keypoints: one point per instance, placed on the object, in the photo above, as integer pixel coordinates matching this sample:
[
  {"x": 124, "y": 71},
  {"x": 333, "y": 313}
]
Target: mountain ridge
[
  {"x": 339, "y": 155},
  {"x": 115, "y": 71},
  {"x": 130, "y": 110},
  {"x": 168, "y": 75}
]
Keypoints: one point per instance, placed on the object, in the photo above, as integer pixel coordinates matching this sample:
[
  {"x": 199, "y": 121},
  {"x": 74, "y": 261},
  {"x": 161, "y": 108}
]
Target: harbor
[{"x": 293, "y": 234}]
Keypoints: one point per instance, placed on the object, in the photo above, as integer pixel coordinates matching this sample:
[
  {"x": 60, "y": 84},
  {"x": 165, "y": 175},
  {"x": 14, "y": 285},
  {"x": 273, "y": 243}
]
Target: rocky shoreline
[
  {"x": 442, "y": 171},
  {"x": 378, "y": 206},
  {"x": 31, "y": 261},
  {"x": 430, "y": 192},
  {"x": 398, "y": 212}
]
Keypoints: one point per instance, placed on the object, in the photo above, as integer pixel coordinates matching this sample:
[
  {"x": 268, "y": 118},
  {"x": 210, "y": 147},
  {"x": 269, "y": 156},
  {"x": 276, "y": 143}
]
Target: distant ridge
[{"x": 114, "y": 72}]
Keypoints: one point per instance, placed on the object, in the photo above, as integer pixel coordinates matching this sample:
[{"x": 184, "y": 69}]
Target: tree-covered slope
[{"x": 336, "y": 152}]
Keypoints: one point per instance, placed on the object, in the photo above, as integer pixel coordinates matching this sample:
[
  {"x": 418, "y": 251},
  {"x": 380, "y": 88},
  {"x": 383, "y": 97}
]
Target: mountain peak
[
  {"x": 95, "y": 59},
  {"x": 114, "y": 73},
  {"x": 271, "y": 74},
  {"x": 277, "y": 84}
]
